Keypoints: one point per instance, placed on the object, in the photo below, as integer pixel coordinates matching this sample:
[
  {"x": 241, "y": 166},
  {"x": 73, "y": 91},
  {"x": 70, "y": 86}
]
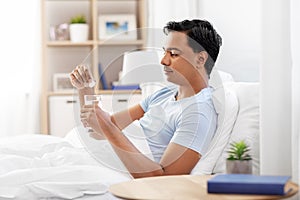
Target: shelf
[
  {"x": 62, "y": 93},
  {"x": 118, "y": 92},
  {"x": 67, "y": 0},
  {"x": 69, "y": 43},
  {"x": 114, "y": 0},
  {"x": 91, "y": 42},
  {"x": 120, "y": 42},
  {"x": 97, "y": 92}
]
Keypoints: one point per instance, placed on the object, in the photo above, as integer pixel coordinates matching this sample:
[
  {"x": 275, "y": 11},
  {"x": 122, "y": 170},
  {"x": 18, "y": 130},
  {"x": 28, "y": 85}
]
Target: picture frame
[
  {"x": 62, "y": 83},
  {"x": 59, "y": 32},
  {"x": 117, "y": 27}
]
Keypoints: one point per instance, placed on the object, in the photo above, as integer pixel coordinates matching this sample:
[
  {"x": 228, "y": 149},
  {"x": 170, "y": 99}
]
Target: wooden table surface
[{"x": 181, "y": 187}]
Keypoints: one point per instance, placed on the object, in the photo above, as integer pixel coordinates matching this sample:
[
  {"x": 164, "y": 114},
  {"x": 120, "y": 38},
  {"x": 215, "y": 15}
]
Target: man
[{"x": 178, "y": 121}]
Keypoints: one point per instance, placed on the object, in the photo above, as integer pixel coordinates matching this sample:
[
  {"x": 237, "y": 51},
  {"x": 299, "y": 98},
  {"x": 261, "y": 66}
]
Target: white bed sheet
[{"x": 49, "y": 167}]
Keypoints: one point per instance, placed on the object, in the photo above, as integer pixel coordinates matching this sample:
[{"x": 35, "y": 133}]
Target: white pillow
[
  {"x": 226, "y": 105},
  {"x": 218, "y": 78},
  {"x": 247, "y": 123}
]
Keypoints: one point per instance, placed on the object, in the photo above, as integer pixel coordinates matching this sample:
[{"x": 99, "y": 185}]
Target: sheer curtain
[
  {"x": 161, "y": 12},
  {"x": 276, "y": 91},
  {"x": 295, "y": 47},
  {"x": 20, "y": 67}
]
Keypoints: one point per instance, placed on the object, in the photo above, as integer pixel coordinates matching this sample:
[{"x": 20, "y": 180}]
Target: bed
[{"x": 49, "y": 167}]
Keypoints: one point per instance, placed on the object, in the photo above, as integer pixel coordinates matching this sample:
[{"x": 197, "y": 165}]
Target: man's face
[{"x": 179, "y": 59}]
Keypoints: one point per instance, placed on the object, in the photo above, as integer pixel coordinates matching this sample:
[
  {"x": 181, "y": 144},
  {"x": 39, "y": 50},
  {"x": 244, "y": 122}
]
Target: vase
[
  {"x": 79, "y": 32},
  {"x": 239, "y": 166}
]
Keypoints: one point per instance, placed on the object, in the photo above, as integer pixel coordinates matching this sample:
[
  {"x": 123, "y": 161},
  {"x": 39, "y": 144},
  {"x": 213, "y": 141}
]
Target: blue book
[
  {"x": 125, "y": 87},
  {"x": 247, "y": 184},
  {"x": 102, "y": 77}
]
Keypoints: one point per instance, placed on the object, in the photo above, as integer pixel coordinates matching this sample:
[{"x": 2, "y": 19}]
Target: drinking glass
[{"x": 90, "y": 100}]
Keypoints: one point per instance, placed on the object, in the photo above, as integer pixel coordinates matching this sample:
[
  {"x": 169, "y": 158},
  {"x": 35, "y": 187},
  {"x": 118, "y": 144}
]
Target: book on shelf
[
  {"x": 248, "y": 184},
  {"x": 102, "y": 77},
  {"x": 125, "y": 87}
]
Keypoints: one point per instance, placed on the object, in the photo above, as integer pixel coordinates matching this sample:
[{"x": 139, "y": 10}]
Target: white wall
[{"x": 238, "y": 23}]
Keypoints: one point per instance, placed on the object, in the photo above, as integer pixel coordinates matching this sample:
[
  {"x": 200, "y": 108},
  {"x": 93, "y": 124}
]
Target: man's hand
[
  {"x": 81, "y": 78},
  {"x": 97, "y": 136},
  {"x": 88, "y": 117}
]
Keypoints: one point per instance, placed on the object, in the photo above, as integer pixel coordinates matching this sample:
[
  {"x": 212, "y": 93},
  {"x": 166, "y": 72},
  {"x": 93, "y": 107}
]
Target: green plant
[
  {"x": 79, "y": 19},
  {"x": 239, "y": 151}
]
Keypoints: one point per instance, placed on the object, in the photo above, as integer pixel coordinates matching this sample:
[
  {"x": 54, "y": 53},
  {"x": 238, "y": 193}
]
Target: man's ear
[{"x": 202, "y": 57}]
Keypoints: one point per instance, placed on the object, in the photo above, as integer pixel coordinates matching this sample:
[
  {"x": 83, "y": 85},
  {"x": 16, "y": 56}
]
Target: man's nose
[{"x": 165, "y": 60}]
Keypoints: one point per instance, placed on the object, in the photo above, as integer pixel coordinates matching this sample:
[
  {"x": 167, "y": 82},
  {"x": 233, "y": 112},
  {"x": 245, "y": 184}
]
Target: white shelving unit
[{"x": 63, "y": 56}]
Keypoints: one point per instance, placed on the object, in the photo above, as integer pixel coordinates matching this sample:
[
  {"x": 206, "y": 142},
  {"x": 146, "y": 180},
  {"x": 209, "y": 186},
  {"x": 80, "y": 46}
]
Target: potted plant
[
  {"x": 79, "y": 29},
  {"x": 239, "y": 160}
]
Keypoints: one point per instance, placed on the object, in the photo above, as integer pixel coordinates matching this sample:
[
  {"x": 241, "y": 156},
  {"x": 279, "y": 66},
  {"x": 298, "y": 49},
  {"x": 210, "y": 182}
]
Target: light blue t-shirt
[{"x": 190, "y": 122}]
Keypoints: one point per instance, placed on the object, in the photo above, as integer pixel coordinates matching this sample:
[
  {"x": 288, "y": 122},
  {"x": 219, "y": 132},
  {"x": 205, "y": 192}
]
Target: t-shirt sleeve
[
  {"x": 154, "y": 98},
  {"x": 144, "y": 104},
  {"x": 196, "y": 127}
]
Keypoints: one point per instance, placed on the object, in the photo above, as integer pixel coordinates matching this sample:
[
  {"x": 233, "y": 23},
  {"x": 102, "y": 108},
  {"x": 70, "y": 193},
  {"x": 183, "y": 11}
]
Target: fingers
[
  {"x": 76, "y": 79},
  {"x": 87, "y": 110},
  {"x": 75, "y": 82},
  {"x": 84, "y": 123},
  {"x": 93, "y": 116},
  {"x": 87, "y": 75},
  {"x": 80, "y": 77},
  {"x": 84, "y": 72},
  {"x": 79, "y": 73},
  {"x": 86, "y": 114},
  {"x": 84, "y": 120}
]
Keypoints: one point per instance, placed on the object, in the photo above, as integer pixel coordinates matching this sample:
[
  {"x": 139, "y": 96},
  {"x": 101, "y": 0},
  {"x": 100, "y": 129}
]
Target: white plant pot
[
  {"x": 79, "y": 32},
  {"x": 239, "y": 167}
]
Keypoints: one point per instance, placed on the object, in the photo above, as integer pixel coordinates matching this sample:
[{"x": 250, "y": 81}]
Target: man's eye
[{"x": 173, "y": 54}]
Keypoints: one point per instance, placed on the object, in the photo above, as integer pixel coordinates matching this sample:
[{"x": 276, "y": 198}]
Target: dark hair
[{"x": 201, "y": 37}]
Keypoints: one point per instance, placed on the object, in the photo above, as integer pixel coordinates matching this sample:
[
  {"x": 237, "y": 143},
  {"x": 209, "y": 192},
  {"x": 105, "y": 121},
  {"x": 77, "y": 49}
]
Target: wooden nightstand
[{"x": 181, "y": 187}]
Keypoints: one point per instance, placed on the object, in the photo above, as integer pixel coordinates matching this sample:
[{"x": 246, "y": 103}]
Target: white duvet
[{"x": 48, "y": 167}]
